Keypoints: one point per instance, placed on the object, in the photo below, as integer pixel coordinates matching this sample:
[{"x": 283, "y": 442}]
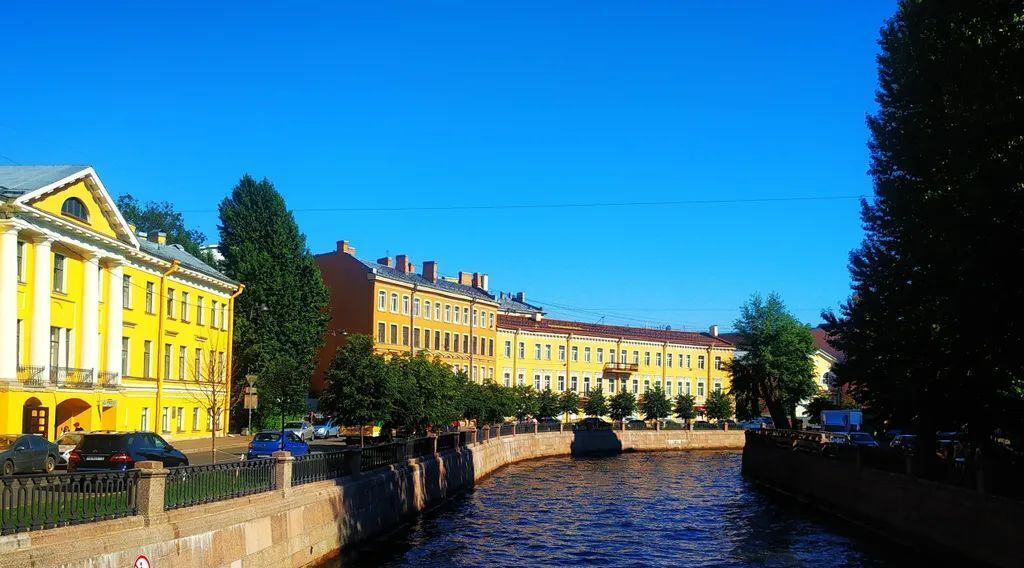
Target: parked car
[
  {"x": 548, "y": 421},
  {"x": 65, "y": 444},
  {"x": 592, "y": 423},
  {"x": 301, "y": 428},
  {"x": 119, "y": 451},
  {"x": 26, "y": 453},
  {"x": 265, "y": 443},
  {"x": 862, "y": 439},
  {"x": 904, "y": 442},
  {"x": 669, "y": 424},
  {"x": 327, "y": 429},
  {"x": 702, "y": 425},
  {"x": 635, "y": 425},
  {"x": 757, "y": 423}
]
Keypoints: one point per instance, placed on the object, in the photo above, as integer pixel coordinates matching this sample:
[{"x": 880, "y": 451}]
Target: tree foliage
[
  {"x": 548, "y": 404},
  {"x": 621, "y": 405},
  {"x": 932, "y": 331},
  {"x": 718, "y": 406},
  {"x": 596, "y": 404},
  {"x": 569, "y": 403},
  {"x": 654, "y": 404},
  {"x": 361, "y": 386},
  {"x": 155, "y": 216},
  {"x": 777, "y": 366},
  {"x": 279, "y": 320},
  {"x": 525, "y": 401},
  {"x": 685, "y": 407}
]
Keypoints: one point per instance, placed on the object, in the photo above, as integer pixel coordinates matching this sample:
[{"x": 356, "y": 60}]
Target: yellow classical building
[
  {"x": 568, "y": 355},
  {"x": 100, "y": 326},
  {"x": 452, "y": 319}
]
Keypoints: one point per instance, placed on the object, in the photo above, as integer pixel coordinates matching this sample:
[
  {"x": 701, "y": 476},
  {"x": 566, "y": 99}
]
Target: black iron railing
[
  {"x": 421, "y": 447},
  {"x": 41, "y": 501},
  {"x": 70, "y": 377},
  {"x": 382, "y": 455},
  {"x": 107, "y": 379},
  {"x": 197, "y": 484},
  {"x": 447, "y": 442},
  {"x": 507, "y": 429},
  {"x": 320, "y": 467},
  {"x": 32, "y": 375}
]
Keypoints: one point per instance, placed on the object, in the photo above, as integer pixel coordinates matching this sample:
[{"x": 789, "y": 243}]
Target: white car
[
  {"x": 302, "y": 429},
  {"x": 65, "y": 444}
]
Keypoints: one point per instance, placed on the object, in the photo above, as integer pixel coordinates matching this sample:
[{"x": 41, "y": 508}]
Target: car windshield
[
  {"x": 7, "y": 441},
  {"x": 102, "y": 443},
  {"x": 293, "y": 425},
  {"x": 862, "y": 437},
  {"x": 69, "y": 440},
  {"x": 323, "y": 422},
  {"x": 266, "y": 437}
]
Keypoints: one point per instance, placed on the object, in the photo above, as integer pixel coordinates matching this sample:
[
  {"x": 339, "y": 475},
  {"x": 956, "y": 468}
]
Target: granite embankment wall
[
  {"x": 938, "y": 517},
  {"x": 305, "y": 525}
]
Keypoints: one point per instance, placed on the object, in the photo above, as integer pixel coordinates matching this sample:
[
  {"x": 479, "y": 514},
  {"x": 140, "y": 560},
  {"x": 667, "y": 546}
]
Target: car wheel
[
  {"x": 50, "y": 464},
  {"x": 8, "y": 467}
]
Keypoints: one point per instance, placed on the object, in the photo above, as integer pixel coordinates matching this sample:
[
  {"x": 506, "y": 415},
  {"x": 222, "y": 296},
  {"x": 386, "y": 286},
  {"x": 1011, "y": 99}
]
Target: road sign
[
  {"x": 142, "y": 562},
  {"x": 250, "y": 398}
]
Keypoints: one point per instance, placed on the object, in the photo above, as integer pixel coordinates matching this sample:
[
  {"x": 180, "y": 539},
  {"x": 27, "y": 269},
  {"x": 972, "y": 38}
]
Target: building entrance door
[{"x": 35, "y": 418}]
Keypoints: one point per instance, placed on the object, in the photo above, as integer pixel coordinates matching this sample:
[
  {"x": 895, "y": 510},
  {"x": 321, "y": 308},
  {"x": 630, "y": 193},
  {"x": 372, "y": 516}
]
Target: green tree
[
  {"x": 155, "y": 216},
  {"x": 361, "y": 386},
  {"x": 280, "y": 319},
  {"x": 569, "y": 403},
  {"x": 931, "y": 332},
  {"x": 685, "y": 408},
  {"x": 777, "y": 366},
  {"x": 547, "y": 404},
  {"x": 525, "y": 401},
  {"x": 596, "y": 404},
  {"x": 622, "y": 404},
  {"x": 718, "y": 406},
  {"x": 654, "y": 404}
]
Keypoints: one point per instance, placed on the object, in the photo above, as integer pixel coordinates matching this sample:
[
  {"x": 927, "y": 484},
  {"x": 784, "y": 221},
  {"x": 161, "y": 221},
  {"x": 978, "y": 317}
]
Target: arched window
[{"x": 73, "y": 207}]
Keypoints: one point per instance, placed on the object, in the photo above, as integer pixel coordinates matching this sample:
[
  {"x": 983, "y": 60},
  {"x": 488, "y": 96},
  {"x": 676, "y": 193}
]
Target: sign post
[{"x": 250, "y": 398}]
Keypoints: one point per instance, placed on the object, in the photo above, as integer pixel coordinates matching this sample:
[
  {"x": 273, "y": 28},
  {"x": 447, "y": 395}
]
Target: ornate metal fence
[
  {"x": 32, "y": 375},
  {"x": 197, "y": 484},
  {"x": 447, "y": 441},
  {"x": 40, "y": 501},
  {"x": 319, "y": 467},
  {"x": 71, "y": 377},
  {"x": 421, "y": 447},
  {"x": 382, "y": 455}
]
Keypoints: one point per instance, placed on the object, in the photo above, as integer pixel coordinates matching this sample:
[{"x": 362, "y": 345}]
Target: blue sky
[{"x": 431, "y": 104}]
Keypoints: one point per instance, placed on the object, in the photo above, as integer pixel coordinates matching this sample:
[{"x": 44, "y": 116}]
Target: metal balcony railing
[
  {"x": 107, "y": 379},
  {"x": 70, "y": 377},
  {"x": 622, "y": 367},
  {"x": 32, "y": 375}
]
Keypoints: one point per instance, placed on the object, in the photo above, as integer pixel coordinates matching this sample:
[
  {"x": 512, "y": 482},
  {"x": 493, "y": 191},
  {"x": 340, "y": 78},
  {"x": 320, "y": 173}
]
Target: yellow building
[
  {"x": 100, "y": 326},
  {"x": 452, "y": 319},
  {"x": 567, "y": 355}
]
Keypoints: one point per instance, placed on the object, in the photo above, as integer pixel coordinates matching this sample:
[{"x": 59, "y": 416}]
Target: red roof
[
  {"x": 821, "y": 342},
  {"x": 546, "y": 325}
]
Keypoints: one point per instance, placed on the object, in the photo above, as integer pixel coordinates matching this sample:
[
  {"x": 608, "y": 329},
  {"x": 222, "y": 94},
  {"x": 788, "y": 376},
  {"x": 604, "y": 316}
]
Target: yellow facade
[
  {"x": 108, "y": 330},
  {"x": 565, "y": 355}
]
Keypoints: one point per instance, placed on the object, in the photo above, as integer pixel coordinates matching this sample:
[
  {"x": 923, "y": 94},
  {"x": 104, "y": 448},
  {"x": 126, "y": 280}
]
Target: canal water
[{"x": 637, "y": 509}]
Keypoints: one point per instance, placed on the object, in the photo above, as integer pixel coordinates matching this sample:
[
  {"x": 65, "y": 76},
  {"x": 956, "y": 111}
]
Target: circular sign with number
[{"x": 142, "y": 562}]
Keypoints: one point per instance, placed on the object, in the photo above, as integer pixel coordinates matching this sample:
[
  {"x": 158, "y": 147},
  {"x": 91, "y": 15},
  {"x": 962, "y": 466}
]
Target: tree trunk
[{"x": 778, "y": 413}]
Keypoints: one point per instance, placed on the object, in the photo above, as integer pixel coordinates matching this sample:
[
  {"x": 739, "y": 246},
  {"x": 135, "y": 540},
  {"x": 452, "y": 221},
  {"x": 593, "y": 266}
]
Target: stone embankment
[{"x": 308, "y": 524}]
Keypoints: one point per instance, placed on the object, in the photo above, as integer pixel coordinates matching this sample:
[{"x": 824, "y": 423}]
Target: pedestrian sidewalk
[{"x": 203, "y": 444}]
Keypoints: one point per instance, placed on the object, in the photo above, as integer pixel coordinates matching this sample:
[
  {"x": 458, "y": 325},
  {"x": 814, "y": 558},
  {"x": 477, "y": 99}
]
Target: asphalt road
[{"x": 228, "y": 452}]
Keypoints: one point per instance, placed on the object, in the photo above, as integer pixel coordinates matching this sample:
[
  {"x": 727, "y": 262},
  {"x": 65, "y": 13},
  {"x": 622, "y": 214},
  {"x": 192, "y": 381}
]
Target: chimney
[
  {"x": 158, "y": 237},
  {"x": 714, "y": 331},
  {"x": 386, "y": 261},
  {"x": 430, "y": 270},
  {"x": 465, "y": 278},
  {"x": 345, "y": 248},
  {"x": 402, "y": 263},
  {"x": 142, "y": 235},
  {"x": 480, "y": 281},
  {"x": 521, "y": 297}
]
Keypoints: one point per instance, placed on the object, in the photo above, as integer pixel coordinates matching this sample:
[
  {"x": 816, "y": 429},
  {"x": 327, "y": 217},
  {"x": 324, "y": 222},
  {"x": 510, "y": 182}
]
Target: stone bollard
[
  {"x": 283, "y": 469},
  {"x": 536, "y": 427},
  {"x": 434, "y": 442},
  {"x": 561, "y": 426},
  {"x": 657, "y": 425},
  {"x": 152, "y": 484},
  {"x": 623, "y": 426},
  {"x": 514, "y": 428},
  {"x": 725, "y": 426}
]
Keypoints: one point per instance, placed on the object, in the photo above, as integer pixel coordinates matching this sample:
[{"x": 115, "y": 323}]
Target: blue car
[
  {"x": 327, "y": 429},
  {"x": 265, "y": 443}
]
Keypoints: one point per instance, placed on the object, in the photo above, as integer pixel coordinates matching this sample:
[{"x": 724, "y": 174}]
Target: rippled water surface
[{"x": 663, "y": 509}]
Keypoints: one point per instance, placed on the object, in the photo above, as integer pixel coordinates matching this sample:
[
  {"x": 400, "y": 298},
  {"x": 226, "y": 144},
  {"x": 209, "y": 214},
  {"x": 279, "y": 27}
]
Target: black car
[
  {"x": 119, "y": 451},
  {"x": 26, "y": 453}
]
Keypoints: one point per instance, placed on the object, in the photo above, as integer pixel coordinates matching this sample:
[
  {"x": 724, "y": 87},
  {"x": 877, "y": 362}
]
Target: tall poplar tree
[
  {"x": 934, "y": 329},
  {"x": 279, "y": 319}
]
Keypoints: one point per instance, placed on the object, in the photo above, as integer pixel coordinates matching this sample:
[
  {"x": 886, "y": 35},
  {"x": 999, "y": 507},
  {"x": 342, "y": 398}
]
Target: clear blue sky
[{"x": 408, "y": 104}]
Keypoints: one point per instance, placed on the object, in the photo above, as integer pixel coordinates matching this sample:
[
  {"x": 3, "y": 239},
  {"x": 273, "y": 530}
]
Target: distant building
[{"x": 510, "y": 304}]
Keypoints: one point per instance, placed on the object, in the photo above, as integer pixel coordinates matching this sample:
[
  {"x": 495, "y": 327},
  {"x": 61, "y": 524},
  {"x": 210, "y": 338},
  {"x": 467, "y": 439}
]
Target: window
[
  {"x": 437, "y": 311},
  {"x": 170, "y": 303},
  {"x": 636, "y": 386},
  {"x": 195, "y": 419},
  {"x": 184, "y": 306},
  {"x": 426, "y": 339},
  {"x": 700, "y": 388},
  {"x": 456, "y": 341},
  {"x": 394, "y": 302},
  {"x": 522, "y": 350},
  {"x": 223, "y": 316},
  {"x": 687, "y": 384},
  {"x": 574, "y": 383},
  {"x": 490, "y": 348},
  {"x": 668, "y": 388},
  {"x": 718, "y": 386},
  {"x": 457, "y": 314},
  {"x": 147, "y": 353},
  {"x": 437, "y": 340},
  {"x": 426, "y": 309},
  {"x": 636, "y": 357},
  {"x": 415, "y": 307},
  {"x": 124, "y": 357},
  {"x": 405, "y": 305},
  {"x": 447, "y": 341},
  {"x": 600, "y": 383},
  {"x": 508, "y": 379},
  {"x": 508, "y": 348},
  {"x": 536, "y": 381},
  {"x": 611, "y": 384},
  {"x": 58, "y": 273},
  {"x": 200, "y": 310},
  {"x": 73, "y": 207},
  {"x": 381, "y": 330},
  {"x": 126, "y": 292},
  {"x": 182, "y": 353},
  {"x": 149, "y": 297},
  {"x": 394, "y": 334},
  {"x": 416, "y": 338},
  {"x": 536, "y": 351},
  {"x": 600, "y": 355},
  {"x": 165, "y": 422},
  {"x": 647, "y": 358},
  {"x": 718, "y": 363},
  {"x": 198, "y": 364},
  {"x": 647, "y": 385},
  {"x": 144, "y": 420},
  {"x": 213, "y": 313},
  {"x": 21, "y": 261},
  {"x": 586, "y": 354},
  {"x": 623, "y": 355},
  {"x": 657, "y": 359},
  {"x": 167, "y": 360},
  {"x": 521, "y": 379},
  {"x": 405, "y": 335},
  {"x": 575, "y": 354},
  {"x": 474, "y": 318},
  {"x": 465, "y": 344},
  {"x": 688, "y": 362},
  {"x": 611, "y": 355},
  {"x": 561, "y": 352},
  {"x": 668, "y": 359},
  {"x": 447, "y": 313},
  {"x": 179, "y": 418},
  {"x": 547, "y": 381},
  {"x": 700, "y": 361},
  {"x": 561, "y": 383},
  {"x": 586, "y": 384},
  {"x": 382, "y": 301},
  {"x": 490, "y": 320}
]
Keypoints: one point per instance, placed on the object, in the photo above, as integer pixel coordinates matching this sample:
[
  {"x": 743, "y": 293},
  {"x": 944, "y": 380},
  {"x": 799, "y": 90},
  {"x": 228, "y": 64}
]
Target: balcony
[
  {"x": 621, "y": 367},
  {"x": 107, "y": 379},
  {"x": 72, "y": 378},
  {"x": 32, "y": 376}
]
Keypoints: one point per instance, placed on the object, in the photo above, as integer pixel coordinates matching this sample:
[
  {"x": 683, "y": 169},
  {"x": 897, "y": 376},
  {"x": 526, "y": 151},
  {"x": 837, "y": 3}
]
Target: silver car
[
  {"x": 301, "y": 428},
  {"x": 65, "y": 444}
]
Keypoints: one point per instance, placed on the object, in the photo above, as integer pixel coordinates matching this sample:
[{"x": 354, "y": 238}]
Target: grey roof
[
  {"x": 176, "y": 252},
  {"x": 509, "y": 303},
  {"x": 418, "y": 279},
  {"x": 19, "y": 180}
]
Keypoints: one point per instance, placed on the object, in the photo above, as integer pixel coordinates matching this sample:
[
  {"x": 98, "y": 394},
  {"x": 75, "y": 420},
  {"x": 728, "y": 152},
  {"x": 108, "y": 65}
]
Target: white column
[
  {"x": 39, "y": 347},
  {"x": 115, "y": 319},
  {"x": 90, "y": 312},
  {"x": 8, "y": 302}
]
